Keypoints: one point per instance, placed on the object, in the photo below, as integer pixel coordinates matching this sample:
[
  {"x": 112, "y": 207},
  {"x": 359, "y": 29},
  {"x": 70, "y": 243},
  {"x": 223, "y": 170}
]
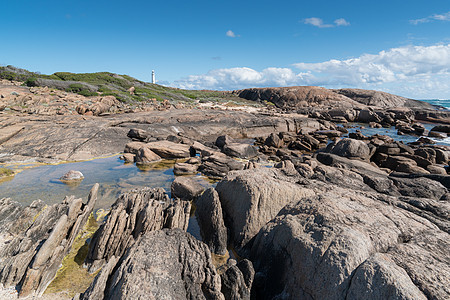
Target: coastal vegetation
[
  {"x": 4, "y": 172},
  {"x": 125, "y": 88}
]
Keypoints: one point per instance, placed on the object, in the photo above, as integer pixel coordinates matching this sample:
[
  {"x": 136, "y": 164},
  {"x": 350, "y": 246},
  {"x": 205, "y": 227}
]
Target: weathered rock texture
[
  {"x": 237, "y": 280},
  {"x": 163, "y": 264},
  {"x": 29, "y": 259},
  {"x": 132, "y": 215},
  {"x": 251, "y": 198},
  {"x": 328, "y": 247},
  {"x": 210, "y": 220},
  {"x": 298, "y": 96},
  {"x": 218, "y": 165},
  {"x": 185, "y": 188},
  {"x": 381, "y": 99}
]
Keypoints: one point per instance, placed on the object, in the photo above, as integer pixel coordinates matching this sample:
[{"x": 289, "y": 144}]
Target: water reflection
[{"x": 111, "y": 173}]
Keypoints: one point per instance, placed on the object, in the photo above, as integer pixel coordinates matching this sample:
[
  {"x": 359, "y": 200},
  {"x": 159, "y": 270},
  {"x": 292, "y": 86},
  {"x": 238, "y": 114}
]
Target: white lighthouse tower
[{"x": 153, "y": 77}]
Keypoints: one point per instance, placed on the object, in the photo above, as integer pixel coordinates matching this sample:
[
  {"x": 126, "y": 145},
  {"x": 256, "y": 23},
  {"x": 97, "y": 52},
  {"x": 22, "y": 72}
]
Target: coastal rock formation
[
  {"x": 299, "y": 96},
  {"x": 167, "y": 149},
  {"x": 162, "y": 264},
  {"x": 352, "y": 149},
  {"x": 251, "y": 198},
  {"x": 76, "y": 137},
  {"x": 146, "y": 156},
  {"x": 381, "y": 99},
  {"x": 237, "y": 280},
  {"x": 342, "y": 243},
  {"x": 30, "y": 256},
  {"x": 185, "y": 188},
  {"x": 210, "y": 220},
  {"x": 186, "y": 168},
  {"x": 219, "y": 165},
  {"x": 132, "y": 215},
  {"x": 240, "y": 150}
]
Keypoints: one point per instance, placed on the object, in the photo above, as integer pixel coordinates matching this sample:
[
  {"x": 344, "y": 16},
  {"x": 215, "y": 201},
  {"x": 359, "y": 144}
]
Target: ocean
[{"x": 444, "y": 103}]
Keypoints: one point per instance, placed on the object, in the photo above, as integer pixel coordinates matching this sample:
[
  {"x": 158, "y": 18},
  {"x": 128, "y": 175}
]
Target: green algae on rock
[{"x": 72, "y": 278}]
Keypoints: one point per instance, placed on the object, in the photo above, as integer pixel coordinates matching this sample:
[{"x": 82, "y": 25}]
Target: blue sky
[{"x": 397, "y": 46}]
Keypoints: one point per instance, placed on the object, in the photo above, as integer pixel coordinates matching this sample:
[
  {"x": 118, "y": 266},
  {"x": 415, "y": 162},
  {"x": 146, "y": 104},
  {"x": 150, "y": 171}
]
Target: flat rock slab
[
  {"x": 75, "y": 137},
  {"x": 8, "y": 132},
  {"x": 167, "y": 149}
]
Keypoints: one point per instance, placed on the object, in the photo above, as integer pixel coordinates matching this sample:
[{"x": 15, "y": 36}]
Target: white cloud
[
  {"x": 341, "y": 22},
  {"x": 386, "y": 66},
  {"x": 435, "y": 17},
  {"x": 231, "y": 34},
  {"x": 411, "y": 71},
  {"x": 318, "y": 22},
  {"x": 237, "y": 78}
]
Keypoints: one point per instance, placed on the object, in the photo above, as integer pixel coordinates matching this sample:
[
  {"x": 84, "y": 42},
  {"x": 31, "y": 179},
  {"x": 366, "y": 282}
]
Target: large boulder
[
  {"x": 223, "y": 140},
  {"x": 367, "y": 116},
  {"x": 185, "y": 188},
  {"x": 185, "y": 169},
  {"x": 138, "y": 134},
  {"x": 273, "y": 140},
  {"x": 352, "y": 149},
  {"x": 441, "y": 128},
  {"x": 163, "y": 264},
  {"x": 146, "y": 156},
  {"x": 251, "y": 198},
  {"x": 240, "y": 150},
  {"x": 343, "y": 244},
  {"x": 218, "y": 165}
]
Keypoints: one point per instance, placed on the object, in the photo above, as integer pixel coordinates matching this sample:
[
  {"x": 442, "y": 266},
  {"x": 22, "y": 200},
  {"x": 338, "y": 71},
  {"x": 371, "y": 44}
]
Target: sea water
[
  {"x": 443, "y": 103},
  {"x": 392, "y": 132}
]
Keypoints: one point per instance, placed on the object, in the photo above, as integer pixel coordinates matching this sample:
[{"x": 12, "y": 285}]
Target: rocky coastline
[{"x": 302, "y": 207}]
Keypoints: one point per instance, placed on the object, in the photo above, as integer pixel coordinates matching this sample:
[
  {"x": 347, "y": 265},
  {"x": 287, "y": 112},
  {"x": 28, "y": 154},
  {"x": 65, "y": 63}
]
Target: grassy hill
[{"x": 105, "y": 83}]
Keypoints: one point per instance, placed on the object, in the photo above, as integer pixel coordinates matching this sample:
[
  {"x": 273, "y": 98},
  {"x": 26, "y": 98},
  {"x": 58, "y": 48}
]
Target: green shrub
[
  {"x": 80, "y": 89},
  {"x": 32, "y": 81}
]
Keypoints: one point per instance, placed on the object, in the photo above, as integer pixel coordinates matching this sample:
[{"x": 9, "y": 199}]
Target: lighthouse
[{"x": 153, "y": 77}]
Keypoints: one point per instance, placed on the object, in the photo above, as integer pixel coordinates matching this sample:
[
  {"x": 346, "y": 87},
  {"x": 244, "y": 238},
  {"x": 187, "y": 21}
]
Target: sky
[{"x": 397, "y": 46}]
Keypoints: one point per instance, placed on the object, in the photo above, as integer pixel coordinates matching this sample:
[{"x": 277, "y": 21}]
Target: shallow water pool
[{"x": 113, "y": 175}]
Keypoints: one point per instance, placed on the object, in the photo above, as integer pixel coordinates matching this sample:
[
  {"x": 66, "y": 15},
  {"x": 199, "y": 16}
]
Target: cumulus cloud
[
  {"x": 341, "y": 22},
  {"x": 412, "y": 71},
  {"x": 318, "y": 22},
  {"x": 231, "y": 34},
  {"x": 435, "y": 17},
  {"x": 237, "y": 78},
  {"x": 386, "y": 66}
]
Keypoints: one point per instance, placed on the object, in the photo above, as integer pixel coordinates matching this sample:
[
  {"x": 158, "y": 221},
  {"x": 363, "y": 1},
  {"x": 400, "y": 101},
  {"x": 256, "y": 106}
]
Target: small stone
[
  {"x": 128, "y": 157},
  {"x": 72, "y": 176}
]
